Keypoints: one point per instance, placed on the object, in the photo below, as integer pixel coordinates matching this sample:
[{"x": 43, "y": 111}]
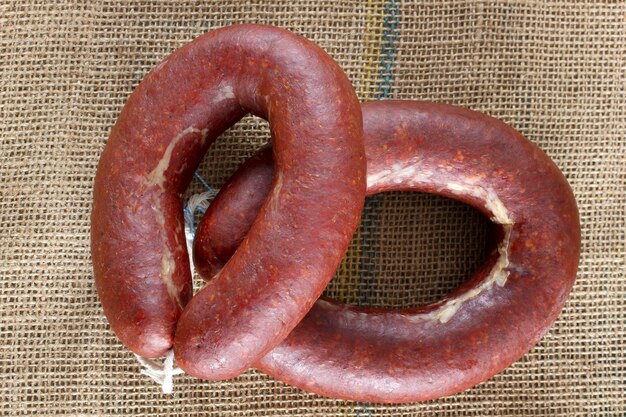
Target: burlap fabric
[{"x": 554, "y": 70}]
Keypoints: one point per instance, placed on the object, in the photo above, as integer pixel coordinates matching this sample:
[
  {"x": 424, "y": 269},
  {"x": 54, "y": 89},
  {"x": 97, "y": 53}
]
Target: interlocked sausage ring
[
  {"x": 378, "y": 355},
  {"x": 140, "y": 260},
  {"x": 267, "y": 269}
]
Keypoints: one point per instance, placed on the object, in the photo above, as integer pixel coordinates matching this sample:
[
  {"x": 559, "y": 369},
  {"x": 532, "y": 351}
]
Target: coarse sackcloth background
[{"x": 552, "y": 69}]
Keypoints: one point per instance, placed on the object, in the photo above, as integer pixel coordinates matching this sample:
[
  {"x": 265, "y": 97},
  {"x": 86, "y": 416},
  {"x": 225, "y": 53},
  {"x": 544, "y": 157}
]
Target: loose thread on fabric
[{"x": 162, "y": 371}]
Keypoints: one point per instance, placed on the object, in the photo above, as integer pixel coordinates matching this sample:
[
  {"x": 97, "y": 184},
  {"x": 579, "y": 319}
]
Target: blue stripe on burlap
[{"x": 370, "y": 219}]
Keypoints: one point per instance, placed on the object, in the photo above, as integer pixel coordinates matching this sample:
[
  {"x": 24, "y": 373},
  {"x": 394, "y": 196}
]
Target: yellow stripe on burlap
[{"x": 366, "y": 88}]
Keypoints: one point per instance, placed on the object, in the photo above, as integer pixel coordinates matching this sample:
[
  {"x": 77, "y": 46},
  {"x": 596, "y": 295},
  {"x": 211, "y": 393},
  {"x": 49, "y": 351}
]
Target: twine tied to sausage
[{"x": 163, "y": 371}]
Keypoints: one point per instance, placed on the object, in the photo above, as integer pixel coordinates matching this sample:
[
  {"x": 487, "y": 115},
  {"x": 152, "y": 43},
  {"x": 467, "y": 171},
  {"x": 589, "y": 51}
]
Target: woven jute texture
[{"x": 552, "y": 69}]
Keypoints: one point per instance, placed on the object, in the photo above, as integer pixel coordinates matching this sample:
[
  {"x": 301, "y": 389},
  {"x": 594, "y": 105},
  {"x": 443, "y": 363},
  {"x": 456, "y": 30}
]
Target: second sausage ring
[{"x": 490, "y": 321}]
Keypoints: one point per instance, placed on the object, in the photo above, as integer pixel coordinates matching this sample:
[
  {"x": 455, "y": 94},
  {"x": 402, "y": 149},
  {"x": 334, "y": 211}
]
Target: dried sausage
[
  {"x": 140, "y": 261},
  {"x": 490, "y": 321}
]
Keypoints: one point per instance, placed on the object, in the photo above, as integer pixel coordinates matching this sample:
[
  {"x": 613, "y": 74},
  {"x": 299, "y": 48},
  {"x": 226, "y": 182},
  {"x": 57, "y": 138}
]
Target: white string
[{"x": 162, "y": 371}]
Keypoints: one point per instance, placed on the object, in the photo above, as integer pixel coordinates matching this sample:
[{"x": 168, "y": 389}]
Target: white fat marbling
[
  {"x": 157, "y": 175},
  {"x": 491, "y": 200},
  {"x": 399, "y": 173},
  {"x": 225, "y": 93}
]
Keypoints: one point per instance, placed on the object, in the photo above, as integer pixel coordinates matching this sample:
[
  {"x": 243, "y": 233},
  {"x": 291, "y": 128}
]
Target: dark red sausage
[
  {"x": 233, "y": 212},
  {"x": 138, "y": 247},
  {"x": 379, "y": 355}
]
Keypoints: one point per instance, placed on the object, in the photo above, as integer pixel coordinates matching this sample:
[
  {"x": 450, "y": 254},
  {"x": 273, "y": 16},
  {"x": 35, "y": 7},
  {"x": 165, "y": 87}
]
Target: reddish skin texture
[
  {"x": 138, "y": 244},
  {"x": 234, "y": 210},
  {"x": 394, "y": 356}
]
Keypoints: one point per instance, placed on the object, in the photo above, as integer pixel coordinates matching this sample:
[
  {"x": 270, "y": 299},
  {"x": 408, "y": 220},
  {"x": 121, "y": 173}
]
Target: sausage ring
[
  {"x": 140, "y": 261},
  {"x": 490, "y": 321}
]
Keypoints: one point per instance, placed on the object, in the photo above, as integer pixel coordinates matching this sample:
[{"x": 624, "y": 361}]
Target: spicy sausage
[
  {"x": 140, "y": 261},
  {"x": 490, "y": 321}
]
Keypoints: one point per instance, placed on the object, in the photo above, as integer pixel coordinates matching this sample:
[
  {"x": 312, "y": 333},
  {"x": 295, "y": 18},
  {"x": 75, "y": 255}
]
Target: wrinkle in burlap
[{"x": 553, "y": 70}]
